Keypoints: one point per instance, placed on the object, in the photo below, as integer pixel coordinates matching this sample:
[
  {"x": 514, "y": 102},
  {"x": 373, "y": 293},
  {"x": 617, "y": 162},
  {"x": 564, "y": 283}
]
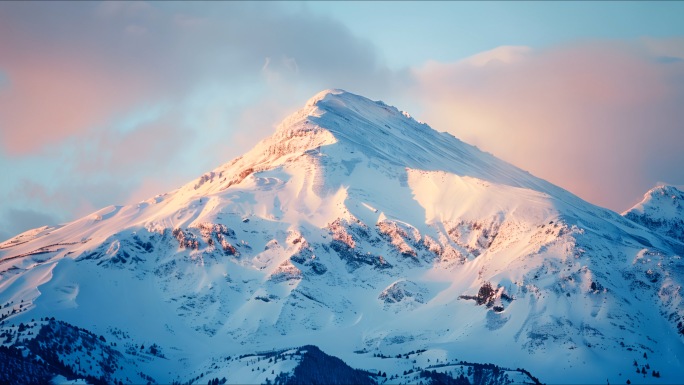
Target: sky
[{"x": 110, "y": 103}]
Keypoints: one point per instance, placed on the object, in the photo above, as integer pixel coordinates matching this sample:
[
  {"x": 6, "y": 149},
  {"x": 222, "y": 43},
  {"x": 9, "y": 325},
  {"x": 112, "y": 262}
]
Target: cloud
[
  {"x": 67, "y": 74},
  {"x": 601, "y": 119},
  {"x": 105, "y": 103},
  {"x": 75, "y": 66}
]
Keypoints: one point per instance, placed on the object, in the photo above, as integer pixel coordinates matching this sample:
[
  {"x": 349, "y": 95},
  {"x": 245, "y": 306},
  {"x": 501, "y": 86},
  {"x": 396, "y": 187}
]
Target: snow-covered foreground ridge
[{"x": 356, "y": 230}]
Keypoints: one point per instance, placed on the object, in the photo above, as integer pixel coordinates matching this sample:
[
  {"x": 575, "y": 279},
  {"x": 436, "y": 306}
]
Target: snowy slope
[{"x": 359, "y": 230}]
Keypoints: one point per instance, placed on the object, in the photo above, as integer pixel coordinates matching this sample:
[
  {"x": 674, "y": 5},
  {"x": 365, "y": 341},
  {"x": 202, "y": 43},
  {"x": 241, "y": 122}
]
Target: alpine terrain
[{"x": 354, "y": 245}]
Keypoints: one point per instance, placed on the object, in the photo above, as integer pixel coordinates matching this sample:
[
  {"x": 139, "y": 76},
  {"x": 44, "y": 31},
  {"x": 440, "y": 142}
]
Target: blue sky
[
  {"x": 409, "y": 33},
  {"x": 110, "y": 103}
]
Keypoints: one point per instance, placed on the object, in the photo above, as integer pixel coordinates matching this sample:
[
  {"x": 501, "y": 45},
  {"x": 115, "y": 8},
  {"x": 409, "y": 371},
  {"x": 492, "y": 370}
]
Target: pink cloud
[
  {"x": 75, "y": 66},
  {"x": 599, "y": 119},
  {"x": 49, "y": 100},
  {"x": 68, "y": 75}
]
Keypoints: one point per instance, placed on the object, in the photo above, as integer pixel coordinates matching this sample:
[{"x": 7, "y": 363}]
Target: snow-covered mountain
[
  {"x": 354, "y": 232},
  {"x": 661, "y": 210}
]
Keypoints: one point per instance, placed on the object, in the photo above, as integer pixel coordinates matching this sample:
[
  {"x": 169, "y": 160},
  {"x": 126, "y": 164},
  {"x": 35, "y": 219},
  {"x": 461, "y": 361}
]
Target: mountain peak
[
  {"x": 370, "y": 127},
  {"x": 343, "y": 103},
  {"x": 661, "y": 210},
  {"x": 336, "y": 128},
  {"x": 331, "y": 92},
  {"x": 672, "y": 192},
  {"x": 661, "y": 197}
]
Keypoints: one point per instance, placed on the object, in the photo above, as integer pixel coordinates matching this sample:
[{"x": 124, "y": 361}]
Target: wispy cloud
[{"x": 75, "y": 66}]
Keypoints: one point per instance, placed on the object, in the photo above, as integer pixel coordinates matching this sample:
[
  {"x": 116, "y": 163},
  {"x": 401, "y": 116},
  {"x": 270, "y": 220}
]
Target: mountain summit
[
  {"x": 356, "y": 124},
  {"x": 356, "y": 231}
]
